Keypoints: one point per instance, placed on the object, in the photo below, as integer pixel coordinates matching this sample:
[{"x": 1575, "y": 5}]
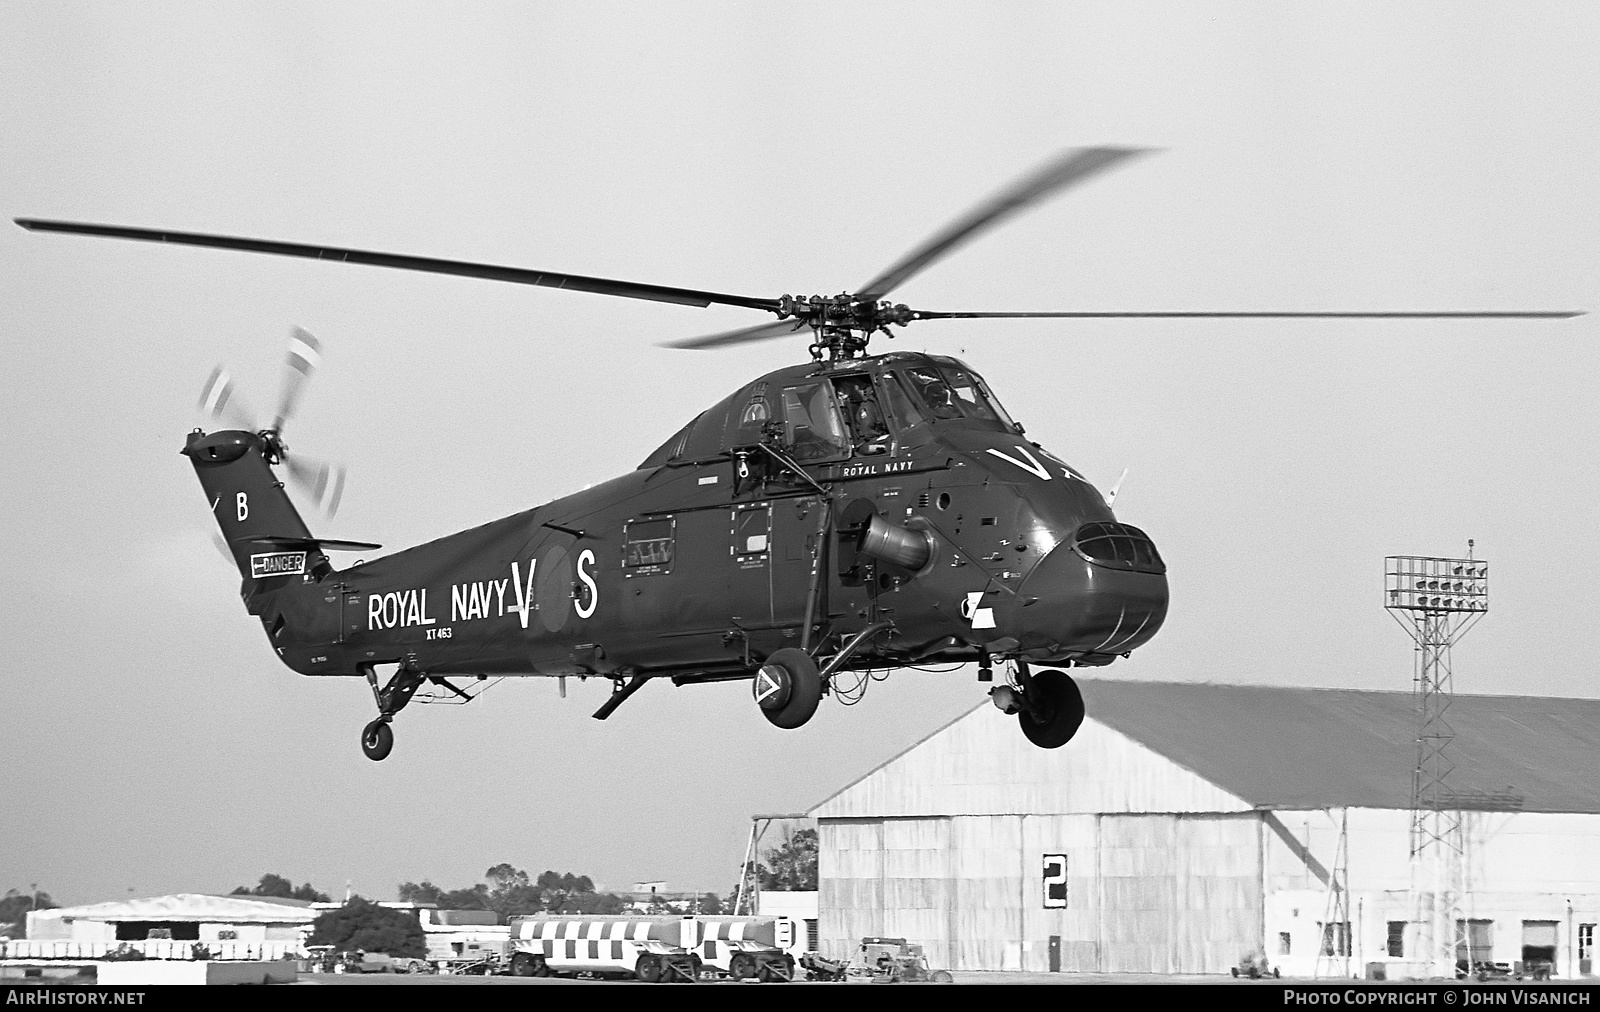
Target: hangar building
[
  {"x": 1190, "y": 824},
  {"x": 166, "y": 926}
]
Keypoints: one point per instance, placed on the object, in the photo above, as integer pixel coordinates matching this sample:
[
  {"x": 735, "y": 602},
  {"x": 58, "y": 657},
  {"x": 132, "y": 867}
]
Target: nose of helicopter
[{"x": 1070, "y": 606}]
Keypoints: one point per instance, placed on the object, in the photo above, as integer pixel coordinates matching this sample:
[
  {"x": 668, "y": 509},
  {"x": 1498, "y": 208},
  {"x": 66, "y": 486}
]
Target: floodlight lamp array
[{"x": 1419, "y": 583}]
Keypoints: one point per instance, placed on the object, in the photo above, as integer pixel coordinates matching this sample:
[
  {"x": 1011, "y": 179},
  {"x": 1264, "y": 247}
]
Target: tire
[
  {"x": 648, "y": 969},
  {"x": 788, "y": 688},
  {"x": 523, "y": 965},
  {"x": 377, "y": 740},
  {"x": 1056, "y": 696},
  {"x": 741, "y": 967},
  {"x": 943, "y": 977}
]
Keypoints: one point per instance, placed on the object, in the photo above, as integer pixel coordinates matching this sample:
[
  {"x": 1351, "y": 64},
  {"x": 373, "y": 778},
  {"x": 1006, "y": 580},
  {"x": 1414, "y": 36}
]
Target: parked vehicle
[{"x": 652, "y": 948}]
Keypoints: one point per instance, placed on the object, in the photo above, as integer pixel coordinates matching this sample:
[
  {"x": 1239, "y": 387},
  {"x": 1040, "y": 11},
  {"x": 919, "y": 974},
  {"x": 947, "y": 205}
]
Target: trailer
[
  {"x": 747, "y": 948},
  {"x": 464, "y": 941},
  {"x": 645, "y": 948},
  {"x": 655, "y": 949}
]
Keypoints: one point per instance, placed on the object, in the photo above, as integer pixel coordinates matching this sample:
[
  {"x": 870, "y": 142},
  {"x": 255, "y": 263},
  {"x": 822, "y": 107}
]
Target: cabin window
[
  {"x": 647, "y": 546},
  {"x": 812, "y": 428},
  {"x": 752, "y": 533},
  {"x": 1397, "y": 939}
]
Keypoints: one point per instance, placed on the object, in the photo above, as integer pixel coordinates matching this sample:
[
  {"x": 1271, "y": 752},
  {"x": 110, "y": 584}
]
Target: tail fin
[{"x": 262, "y": 528}]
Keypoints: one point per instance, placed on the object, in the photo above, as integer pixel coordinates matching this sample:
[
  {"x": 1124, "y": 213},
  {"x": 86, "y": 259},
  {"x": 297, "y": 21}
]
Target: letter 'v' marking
[{"x": 1032, "y": 466}]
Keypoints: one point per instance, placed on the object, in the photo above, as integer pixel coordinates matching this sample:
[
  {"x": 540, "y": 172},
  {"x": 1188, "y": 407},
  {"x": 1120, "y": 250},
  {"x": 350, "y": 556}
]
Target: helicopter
[{"x": 852, "y": 513}]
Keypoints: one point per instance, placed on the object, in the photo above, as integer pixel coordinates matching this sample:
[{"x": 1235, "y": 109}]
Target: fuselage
[{"x": 718, "y": 549}]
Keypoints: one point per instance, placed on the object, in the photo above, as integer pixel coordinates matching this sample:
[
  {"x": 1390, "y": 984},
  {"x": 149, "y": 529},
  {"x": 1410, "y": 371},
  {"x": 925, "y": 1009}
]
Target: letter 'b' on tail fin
[{"x": 258, "y": 521}]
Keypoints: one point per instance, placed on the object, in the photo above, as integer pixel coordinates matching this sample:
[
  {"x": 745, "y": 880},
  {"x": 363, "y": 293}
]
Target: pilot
[
  {"x": 866, "y": 418},
  {"x": 935, "y": 393}
]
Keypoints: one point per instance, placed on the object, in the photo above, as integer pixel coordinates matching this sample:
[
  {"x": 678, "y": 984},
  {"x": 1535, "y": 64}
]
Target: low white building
[
  {"x": 1188, "y": 825},
  {"x": 230, "y": 927}
]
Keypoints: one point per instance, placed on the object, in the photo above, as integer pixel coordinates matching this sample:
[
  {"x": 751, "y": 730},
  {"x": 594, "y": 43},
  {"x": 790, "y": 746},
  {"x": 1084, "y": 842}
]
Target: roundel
[{"x": 553, "y": 588}]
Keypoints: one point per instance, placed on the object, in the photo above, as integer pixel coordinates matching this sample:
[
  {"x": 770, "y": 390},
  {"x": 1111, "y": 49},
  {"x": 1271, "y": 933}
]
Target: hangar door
[{"x": 1179, "y": 893}]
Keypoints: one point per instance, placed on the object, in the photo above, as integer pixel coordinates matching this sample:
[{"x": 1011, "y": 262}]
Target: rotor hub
[{"x": 843, "y": 323}]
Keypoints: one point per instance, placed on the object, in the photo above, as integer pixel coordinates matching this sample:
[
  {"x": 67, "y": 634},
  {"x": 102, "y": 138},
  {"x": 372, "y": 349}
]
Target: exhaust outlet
[{"x": 886, "y": 541}]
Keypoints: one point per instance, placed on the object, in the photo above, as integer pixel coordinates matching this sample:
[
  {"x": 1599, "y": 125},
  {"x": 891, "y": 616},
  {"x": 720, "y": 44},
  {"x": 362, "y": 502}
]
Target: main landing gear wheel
[
  {"x": 377, "y": 740},
  {"x": 1054, "y": 710},
  {"x": 788, "y": 687}
]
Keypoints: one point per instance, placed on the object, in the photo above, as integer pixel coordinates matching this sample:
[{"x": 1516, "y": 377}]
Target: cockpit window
[
  {"x": 901, "y": 405},
  {"x": 932, "y": 390},
  {"x": 1118, "y": 546},
  {"x": 973, "y": 397},
  {"x": 863, "y": 415},
  {"x": 812, "y": 427}
]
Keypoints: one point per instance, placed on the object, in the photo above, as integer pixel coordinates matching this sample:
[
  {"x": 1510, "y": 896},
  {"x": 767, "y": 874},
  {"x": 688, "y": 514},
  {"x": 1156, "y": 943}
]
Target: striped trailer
[
  {"x": 747, "y": 947},
  {"x": 646, "y": 948}
]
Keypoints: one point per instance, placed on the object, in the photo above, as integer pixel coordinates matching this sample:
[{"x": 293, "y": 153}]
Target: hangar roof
[
  {"x": 1281, "y": 747},
  {"x": 1187, "y": 746},
  {"x": 195, "y": 907}
]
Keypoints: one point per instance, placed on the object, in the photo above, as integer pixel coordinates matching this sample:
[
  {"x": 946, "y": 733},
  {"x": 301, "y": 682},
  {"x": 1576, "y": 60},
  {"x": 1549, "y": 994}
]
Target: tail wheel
[
  {"x": 1054, "y": 710},
  {"x": 788, "y": 687},
  {"x": 377, "y": 740},
  {"x": 648, "y": 969}
]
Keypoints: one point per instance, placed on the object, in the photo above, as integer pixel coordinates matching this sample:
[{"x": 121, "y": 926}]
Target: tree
[
  {"x": 427, "y": 892},
  {"x": 362, "y": 924},
  {"x": 710, "y": 903},
  {"x": 281, "y": 888},
  {"x": 555, "y": 890},
  {"x": 14, "y": 909},
  {"x": 511, "y": 893},
  {"x": 792, "y": 865}
]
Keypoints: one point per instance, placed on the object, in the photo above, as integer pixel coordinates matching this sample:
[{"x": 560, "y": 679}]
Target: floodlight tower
[{"x": 1436, "y": 601}]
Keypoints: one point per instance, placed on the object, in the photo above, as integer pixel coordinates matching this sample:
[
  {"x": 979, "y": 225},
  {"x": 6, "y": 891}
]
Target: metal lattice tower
[
  {"x": 1334, "y": 951},
  {"x": 1436, "y": 601}
]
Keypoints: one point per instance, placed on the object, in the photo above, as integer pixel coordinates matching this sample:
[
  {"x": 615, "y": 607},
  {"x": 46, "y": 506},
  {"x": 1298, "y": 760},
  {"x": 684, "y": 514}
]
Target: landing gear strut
[
  {"x": 377, "y": 738},
  {"x": 1047, "y": 703}
]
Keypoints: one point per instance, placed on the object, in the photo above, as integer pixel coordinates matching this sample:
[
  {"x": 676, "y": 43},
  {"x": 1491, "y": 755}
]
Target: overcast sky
[{"x": 1334, "y": 156}]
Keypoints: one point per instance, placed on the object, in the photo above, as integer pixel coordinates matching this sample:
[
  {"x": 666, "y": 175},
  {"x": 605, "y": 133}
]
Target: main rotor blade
[
  {"x": 760, "y": 332},
  {"x": 305, "y": 354},
  {"x": 491, "y": 272},
  {"x": 1065, "y": 169},
  {"x": 1426, "y": 314}
]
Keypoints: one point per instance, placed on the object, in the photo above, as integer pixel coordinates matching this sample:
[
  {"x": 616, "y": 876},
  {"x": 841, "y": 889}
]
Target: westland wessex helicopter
[{"x": 854, "y": 513}]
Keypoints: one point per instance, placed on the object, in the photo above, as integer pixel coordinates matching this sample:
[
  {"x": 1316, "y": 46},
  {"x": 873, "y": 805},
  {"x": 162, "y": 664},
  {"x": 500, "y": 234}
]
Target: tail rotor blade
[
  {"x": 305, "y": 354},
  {"x": 324, "y": 482},
  {"x": 222, "y": 547},
  {"x": 219, "y": 399}
]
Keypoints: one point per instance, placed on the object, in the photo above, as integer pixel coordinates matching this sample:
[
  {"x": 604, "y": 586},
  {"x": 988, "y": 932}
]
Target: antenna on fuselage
[{"x": 1111, "y": 496}]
